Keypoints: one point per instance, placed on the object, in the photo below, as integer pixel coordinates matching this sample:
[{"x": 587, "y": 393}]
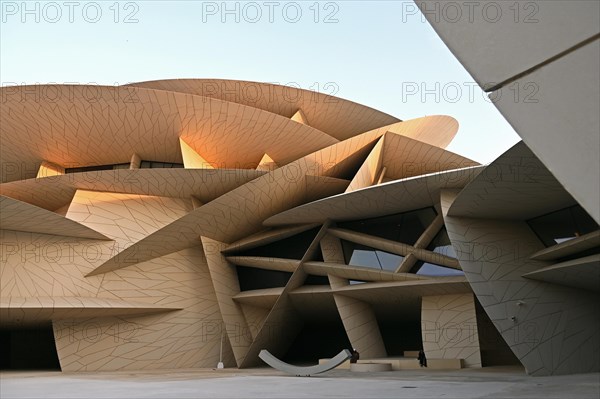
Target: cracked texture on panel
[
  {"x": 179, "y": 223},
  {"x": 449, "y": 328},
  {"x": 556, "y": 329},
  {"x": 551, "y": 327},
  {"x": 125, "y": 218}
]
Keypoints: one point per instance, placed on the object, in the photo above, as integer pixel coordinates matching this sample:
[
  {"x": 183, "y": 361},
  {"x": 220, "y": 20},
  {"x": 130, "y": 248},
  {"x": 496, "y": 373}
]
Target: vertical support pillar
[
  {"x": 226, "y": 285},
  {"x": 135, "y": 162},
  {"x": 358, "y": 318}
]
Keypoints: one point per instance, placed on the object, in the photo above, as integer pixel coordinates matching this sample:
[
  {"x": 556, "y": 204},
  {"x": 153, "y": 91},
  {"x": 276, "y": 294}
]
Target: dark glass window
[
  {"x": 429, "y": 269},
  {"x": 155, "y": 164},
  {"x": 402, "y": 227},
  {"x": 293, "y": 247},
  {"x": 121, "y": 166},
  {"x": 311, "y": 279},
  {"x": 97, "y": 168},
  {"x": 252, "y": 278},
  {"x": 563, "y": 225},
  {"x": 440, "y": 245},
  {"x": 361, "y": 255}
]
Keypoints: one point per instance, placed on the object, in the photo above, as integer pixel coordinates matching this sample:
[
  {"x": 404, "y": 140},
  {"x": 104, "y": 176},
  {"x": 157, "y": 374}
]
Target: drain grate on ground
[{"x": 408, "y": 387}]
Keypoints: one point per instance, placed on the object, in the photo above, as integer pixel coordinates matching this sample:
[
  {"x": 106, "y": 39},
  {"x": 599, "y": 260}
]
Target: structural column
[{"x": 357, "y": 316}]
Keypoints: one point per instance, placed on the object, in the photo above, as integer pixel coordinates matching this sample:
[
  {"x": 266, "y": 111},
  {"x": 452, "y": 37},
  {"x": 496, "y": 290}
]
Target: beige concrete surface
[
  {"x": 449, "y": 329},
  {"x": 198, "y": 238},
  {"x": 499, "y": 382}
]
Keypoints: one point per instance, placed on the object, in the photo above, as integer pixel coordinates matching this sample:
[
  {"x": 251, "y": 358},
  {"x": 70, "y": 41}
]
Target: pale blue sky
[{"x": 374, "y": 54}]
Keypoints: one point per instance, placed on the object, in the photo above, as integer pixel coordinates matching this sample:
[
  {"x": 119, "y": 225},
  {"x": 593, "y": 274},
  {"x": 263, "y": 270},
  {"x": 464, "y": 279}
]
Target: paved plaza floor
[{"x": 264, "y": 383}]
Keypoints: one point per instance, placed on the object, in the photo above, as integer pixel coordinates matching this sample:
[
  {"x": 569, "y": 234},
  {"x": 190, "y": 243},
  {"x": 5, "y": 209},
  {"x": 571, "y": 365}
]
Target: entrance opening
[
  {"x": 494, "y": 350},
  {"x": 323, "y": 335},
  {"x": 400, "y": 325},
  {"x": 318, "y": 340},
  {"x": 28, "y": 348}
]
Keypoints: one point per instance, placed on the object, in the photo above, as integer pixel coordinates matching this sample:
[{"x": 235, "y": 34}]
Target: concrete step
[
  {"x": 411, "y": 363},
  {"x": 407, "y": 363},
  {"x": 370, "y": 367}
]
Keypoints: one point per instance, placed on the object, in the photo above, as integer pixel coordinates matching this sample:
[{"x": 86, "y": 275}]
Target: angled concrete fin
[
  {"x": 196, "y": 203},
  {"x": 370, "y": 168},
  {"x": 299, "y": 117},
  {"x": 191, "y": 159},
  {"x": 226, "y": 285},
  {"x": 255, "y": 317},
  {"x": 267, "y": 163},
  {"x": 49, "y": 169}
]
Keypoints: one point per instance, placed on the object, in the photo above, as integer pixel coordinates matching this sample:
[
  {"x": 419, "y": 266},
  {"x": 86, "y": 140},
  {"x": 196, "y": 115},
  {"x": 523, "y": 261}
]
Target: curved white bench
[{"x": 332, "y": 363}]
